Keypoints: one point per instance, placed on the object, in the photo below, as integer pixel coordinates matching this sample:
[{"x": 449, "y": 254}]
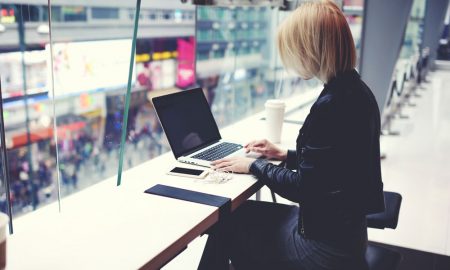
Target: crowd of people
[{"x": 84, "y": 159}]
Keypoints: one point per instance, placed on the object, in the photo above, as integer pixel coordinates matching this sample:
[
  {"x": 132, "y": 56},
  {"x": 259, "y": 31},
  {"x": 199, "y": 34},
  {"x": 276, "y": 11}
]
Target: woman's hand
[
  {"x": 267, "y": 149},
  {"x": 233, "y": 164}
]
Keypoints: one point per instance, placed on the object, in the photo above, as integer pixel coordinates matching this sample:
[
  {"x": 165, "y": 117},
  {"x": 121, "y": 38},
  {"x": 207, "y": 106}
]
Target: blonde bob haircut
[{"x": 315, "y": 41}]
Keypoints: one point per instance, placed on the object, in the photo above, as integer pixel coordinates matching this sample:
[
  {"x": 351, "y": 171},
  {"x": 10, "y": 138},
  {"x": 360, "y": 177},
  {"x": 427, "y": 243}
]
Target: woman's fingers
[
  {"x": 256, "y": 146},
  {"x": 260, "y": 143},
  {"x": 256, "y": 143},
  {"x": 222, "y": 162},
  {"x": 233, "y": 164},
  {"x": 261, "y": 150},
  {"x": 222, "y": 165},
  {"x": 249, "y": 144},
  {"x": 219, "y": 161}
]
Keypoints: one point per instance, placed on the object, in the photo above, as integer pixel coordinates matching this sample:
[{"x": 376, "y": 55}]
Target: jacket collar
[{"x": 340, "y": 80}]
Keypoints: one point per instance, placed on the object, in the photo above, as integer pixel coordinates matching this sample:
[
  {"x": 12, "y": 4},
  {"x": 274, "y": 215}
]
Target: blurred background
[{"x": 77, "y": 80}]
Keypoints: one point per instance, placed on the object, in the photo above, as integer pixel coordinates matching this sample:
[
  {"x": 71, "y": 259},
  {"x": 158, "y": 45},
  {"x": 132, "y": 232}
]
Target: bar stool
[{"x": 377, "y": 257}]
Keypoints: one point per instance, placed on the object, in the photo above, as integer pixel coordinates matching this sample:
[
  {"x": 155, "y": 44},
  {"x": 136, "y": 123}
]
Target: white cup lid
[{"x": 275, "y": 103}]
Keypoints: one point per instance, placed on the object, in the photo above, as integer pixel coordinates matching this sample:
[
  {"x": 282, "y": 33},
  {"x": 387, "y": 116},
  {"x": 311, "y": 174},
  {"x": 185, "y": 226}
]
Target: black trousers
[{"x": 263, "y": 235}]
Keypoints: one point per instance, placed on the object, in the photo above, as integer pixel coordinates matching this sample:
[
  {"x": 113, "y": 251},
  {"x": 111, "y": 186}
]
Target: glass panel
[
  {"x": 407, "y": 63},
  {"x": 165, "y": 63},
  {"x": 229, "y": 52},
  {"x": 24, "y": 80},
  {"x": 409, "y": 52},
  {"x": 56, "y": 14},
  {"x": 243, "y": 38},
  {"x": 89, "y": 71},
  {"x": 219, "y": 45},
  {"x": 288, "y": 85},
  {"x": 413, "y": 33}
]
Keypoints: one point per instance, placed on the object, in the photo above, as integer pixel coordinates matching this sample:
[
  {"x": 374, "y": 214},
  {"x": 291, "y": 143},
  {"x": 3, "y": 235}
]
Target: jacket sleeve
[
  {"x": 282, "y": 181},
  {"x": 291, "y": 160},
  {"x": 314, "y": 165}
]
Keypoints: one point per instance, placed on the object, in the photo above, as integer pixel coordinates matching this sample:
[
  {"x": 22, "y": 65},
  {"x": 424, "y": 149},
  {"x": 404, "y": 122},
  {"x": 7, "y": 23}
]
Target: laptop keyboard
[{"x": 219, "y": 151}]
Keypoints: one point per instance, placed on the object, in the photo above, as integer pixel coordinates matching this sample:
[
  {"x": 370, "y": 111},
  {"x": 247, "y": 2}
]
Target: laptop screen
[{"x": 187, "y": 120}]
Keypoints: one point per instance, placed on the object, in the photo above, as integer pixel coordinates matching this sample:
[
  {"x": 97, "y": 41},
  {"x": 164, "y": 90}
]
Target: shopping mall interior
[{"x": 81, "y": 141}]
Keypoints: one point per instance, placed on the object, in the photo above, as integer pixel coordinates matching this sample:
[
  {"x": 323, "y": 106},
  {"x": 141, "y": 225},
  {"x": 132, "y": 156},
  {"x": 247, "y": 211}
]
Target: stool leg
[
  {"x": 258, "y": 195},
  {"x": 274, "y": 198}
]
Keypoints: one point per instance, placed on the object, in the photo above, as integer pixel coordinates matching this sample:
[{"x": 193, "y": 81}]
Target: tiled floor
[
  {"x": 419, "y": 260},
  {"x": 418, "y": 167}
]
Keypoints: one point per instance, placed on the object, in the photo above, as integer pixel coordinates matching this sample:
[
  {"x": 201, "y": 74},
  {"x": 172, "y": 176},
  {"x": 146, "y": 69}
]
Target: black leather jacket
[{"x": 335, "y": 173}]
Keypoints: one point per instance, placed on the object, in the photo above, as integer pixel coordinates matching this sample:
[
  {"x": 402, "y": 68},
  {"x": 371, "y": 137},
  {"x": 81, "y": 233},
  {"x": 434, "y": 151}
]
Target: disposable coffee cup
[
  {"x": 3, "y": 226},
  {"x": 274, "y": 117}
]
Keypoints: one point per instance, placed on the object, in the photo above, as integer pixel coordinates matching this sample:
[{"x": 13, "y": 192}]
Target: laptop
[{"x": 191, "y": 130}]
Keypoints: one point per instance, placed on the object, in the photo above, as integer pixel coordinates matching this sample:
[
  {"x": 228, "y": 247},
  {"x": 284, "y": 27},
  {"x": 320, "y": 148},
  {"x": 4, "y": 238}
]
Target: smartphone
[{"x": 194, "y": 173}]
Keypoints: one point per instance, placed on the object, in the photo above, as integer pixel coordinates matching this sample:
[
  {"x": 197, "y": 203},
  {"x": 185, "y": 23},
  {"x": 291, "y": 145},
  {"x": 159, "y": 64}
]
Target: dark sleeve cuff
[
  {"x": 257, "y": 167},
  {"x": 291, "y": 160}
]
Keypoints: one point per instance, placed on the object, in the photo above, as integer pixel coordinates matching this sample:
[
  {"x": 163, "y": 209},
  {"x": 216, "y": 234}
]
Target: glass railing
[
  {"x": 237, "y": 61},
  {"x": 65, "y": 77},
  {"x": 26, "y": 116},
  {"x": 410, "y": 49}
]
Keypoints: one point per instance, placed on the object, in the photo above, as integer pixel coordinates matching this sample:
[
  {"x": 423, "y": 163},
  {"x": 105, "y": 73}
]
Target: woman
[{"x": 334, "y": 173}]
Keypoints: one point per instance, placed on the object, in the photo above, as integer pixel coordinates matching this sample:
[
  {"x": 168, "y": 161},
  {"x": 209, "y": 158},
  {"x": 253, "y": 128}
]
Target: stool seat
[
  {"x": 381, "y": 258},
  {"x": 378, "y": 257},
  {"x": 388, "y": 218}
]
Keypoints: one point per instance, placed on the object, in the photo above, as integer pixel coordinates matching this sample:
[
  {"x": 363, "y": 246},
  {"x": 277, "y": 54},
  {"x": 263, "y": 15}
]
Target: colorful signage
[
  {"x": 7, "y": 15},
  {"x": 186, "y": 63},
  {"x": 165, "y": 62}
]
